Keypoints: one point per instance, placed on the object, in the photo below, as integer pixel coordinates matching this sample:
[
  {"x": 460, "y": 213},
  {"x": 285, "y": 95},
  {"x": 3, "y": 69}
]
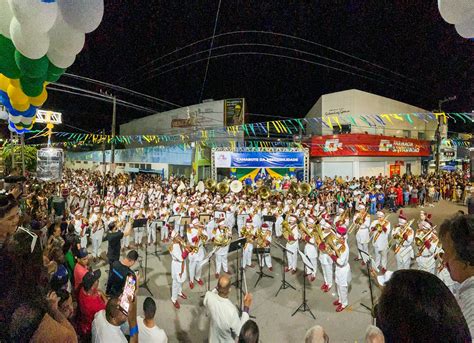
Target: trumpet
[
  {"x": 420, "y": 241},
  {"x": 399, "y": 236},
  {"x": 261, "y": 238},
  {"x": 356, "y": 224},
  {"x": 379, "y": 228}
]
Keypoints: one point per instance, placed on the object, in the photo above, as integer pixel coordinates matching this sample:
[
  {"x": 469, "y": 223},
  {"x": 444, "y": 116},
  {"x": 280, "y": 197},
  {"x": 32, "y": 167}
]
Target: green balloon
[
  {"x": 32, "y": 68},
  {"x": 31, "y": 86},
  {"x": 8, "y": 65},
  {"x": 54, "y": 73}
]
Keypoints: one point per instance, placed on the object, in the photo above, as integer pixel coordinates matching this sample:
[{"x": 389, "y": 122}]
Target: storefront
[{"x": 356, "y": 155}]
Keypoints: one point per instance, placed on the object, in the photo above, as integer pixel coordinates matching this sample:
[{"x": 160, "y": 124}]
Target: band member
[
  {"x": 97, "y": 231},
  {"x": 426, "y": 241},
  {"x": 403, "y": 236},
  {"x": 241, "y": 212},
  {"x": 279, "y": 219},
  {"x": 325, "y": 254},
  {"x": 139, "y": 230},
  {"x": 151, "y": 226},
  {"x": 292, "y": 235},
  {"x": 342, "y": 217},
  {"x": 179, "y": 253},
  {"x": 343, "y": 269},
  {"x": 362, "y": 224},
  {"x": 263, "y": 240},
  {"x": 125, "y": 216},
  {"x": 80, "y": 228},
  {"x": 380, "y": 231},
  {"x": 248, "y": 231},
  {"x": 221, "y": 237},
  {"x": 197, "y": 237},
  {"x": 310, "y": 249},
  {"x": 164, "y": 215}
]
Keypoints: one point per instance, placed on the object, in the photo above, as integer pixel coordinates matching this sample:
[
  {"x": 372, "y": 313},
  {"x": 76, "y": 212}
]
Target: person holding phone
[
  {"x": 90, "y": 301},
  {"x": 120, "y": 270}
]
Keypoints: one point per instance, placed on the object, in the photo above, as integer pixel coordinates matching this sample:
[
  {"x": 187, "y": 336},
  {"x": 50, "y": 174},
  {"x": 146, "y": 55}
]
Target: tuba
[
  {"x": 248, "y": 189},
  {"x": 223, "y": 188},
  {"x": 264, "y": 192},
  {"x": 304, "y": 189},
  {"x": 223, "y": 239},
  {"x": 293, "y": 188},
  {"x": 236, "y": 186},
  {"x": 286, "y": 230},
  {"x": 210, "y": 184}
]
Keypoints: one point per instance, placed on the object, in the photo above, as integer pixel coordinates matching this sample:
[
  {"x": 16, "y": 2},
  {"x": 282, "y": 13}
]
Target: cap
[
  {"x": 380, "y": 214},
  {"x": 342, "y": 230},
  {"x": 402, "y": 217},
  {"x": 89, "y": 279},
  {"x": 361, "y": 207},
  {"x": 82, "y": 253}
]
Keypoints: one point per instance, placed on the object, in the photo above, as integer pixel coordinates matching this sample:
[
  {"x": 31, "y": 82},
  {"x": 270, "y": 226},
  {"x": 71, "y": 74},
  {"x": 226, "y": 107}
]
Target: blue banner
[{"x": 267, "y": 160}]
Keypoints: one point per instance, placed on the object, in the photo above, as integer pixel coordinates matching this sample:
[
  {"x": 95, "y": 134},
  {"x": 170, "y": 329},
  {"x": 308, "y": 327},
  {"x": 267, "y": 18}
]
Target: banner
[
  {"x": 234, "y": 112},
  {"x": 49, "y": 166},
  {"x": 254, "y": 159},
  {"x": 367, "y": 145}
]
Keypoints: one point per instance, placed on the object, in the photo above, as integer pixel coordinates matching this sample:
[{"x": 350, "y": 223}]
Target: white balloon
[
  {"x": 20, "y": 119},
  {"x": 3, "y": 115},
  {"x": 60, "y": 60},
  {"x": 83, "y": 15},
  {"x": 11, "y": 129},
  {"x": 455, "y": 11},
  {"x": 6, "y": 16},
  {"x": 64, "y": 39},
  {"x": 32, "y": 44},
  {"x": 466, "y": 29},
  {"x": 35, "y": 14}
]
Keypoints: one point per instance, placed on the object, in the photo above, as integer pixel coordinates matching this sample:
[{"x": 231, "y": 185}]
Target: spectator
[
  {"x": 406, "y": 311},
  {"x": 457, "y": 237},
  {"x": 225, "y": 323},
  {"x": 316, "y": 334},
  {"x": 9, "y": 217},
  {"x": 90, "y": 301},
  {"x": 249, "y": 332},
  {"x": 54, "y": 237},
  {"x": 470, "y": 202},
  {"x": 106, "y": 324},
  {"x": 81, "y": 268},
  {"x": 149, "y": 331},
  {"x": 65, "y": 305},
  {"x": 374, "y": 335},
  {"x": 120, "y": 269}
]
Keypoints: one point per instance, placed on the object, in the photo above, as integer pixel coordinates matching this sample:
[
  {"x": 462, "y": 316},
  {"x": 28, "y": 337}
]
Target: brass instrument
[
  {"x": 330, "y": 241},
  {"x": 236, "y": 186},
  {"x": 344, "y": 216},
  {"x": 286, "y": 230},
  {"x": 293, "y": 187},
  {"x": 261, "y": 238},
  {"x": 223, "y": 239},
  {"x": 304, "y": 189},
  {"x": 379, "y": 228},
  {"x": 264, "y": 192},
  {"x": 399, "y": 236},
  {"x": 248, "y": 189},
  {"x": 259, "y": 183},
  {"x": 210, "y": 184},
  {"x": 420, "y": 241},
  {"x": 356, "y": 224},
  {"x": 223, "y": 188}
]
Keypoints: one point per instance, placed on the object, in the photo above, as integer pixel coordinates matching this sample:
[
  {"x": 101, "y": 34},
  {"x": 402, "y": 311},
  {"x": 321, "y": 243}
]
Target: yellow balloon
[
  {"x": 4, "y": 82},
  {"x": 15, "y": 83},
  {"x": 16, "y": 95},
  {"x": 39, "y": 100},
  {"x": 20, "y": 107}
]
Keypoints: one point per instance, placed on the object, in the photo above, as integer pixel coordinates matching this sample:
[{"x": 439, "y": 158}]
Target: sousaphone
[
  {"x": 236, "y": 186},
  {"x": 200, "y": 187}
]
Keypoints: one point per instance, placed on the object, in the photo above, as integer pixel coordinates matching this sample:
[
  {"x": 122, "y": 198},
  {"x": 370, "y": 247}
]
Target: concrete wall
[{"x": 354, "y": 103}]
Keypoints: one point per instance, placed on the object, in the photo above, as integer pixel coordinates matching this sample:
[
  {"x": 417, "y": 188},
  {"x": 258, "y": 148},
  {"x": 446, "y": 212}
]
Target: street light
[{"x": 437, "y": 133}]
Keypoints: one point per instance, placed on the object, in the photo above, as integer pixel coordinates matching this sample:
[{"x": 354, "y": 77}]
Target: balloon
[
  {"x": 466, "y": 28},
  {"x": 31, "y": 43},
  {"x": 30, "y": 112},
  {"x": 15, "y": 83},
  {"x": 39, "y": 100},
  {"x": 20, "y": 120},
  {"x": 34, "y": 14},
  {"x": 64, "y": 39},
  {"x": 6, "y": 16},
  {"x": 83, "y": 15},
  {"x": 16, "y": 95},
  {"x": 32, "y": 68},
  {"x": 54, "y": 73},
  {"x": 455, "y": 11},
  {"x": 21, "y": 107},
  {"x": 4, "y": 82},
  {"x": 32, "y": 87},
  {"x": 8, "y": 65},
  {"x": 60, "y": 60},
  {"x": 3, "y": 115}
]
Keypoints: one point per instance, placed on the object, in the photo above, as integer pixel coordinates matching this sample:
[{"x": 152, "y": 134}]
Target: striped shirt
[{"x": 466, "y": 302}]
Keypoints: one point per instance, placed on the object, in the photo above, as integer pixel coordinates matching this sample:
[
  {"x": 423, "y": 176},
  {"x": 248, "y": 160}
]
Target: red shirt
[
  {"x": 79, "y": 272},
  {"x": 89, "y": 305}
]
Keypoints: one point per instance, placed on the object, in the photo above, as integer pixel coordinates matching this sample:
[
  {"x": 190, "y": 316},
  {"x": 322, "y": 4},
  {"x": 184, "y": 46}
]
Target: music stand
[
  {"x": 145, "y": 281},
  {"x": 184, "y": 222},
  {"x": 368, "y": 263},
  {"x": 206, "y": 260},
  {"x": 269, "y": 219},
  {"x": 204, "y": 218},
  {"x": 261, "y": 274},
  {"x": 304, "y": 305},
  {"x": 174, "y": 220},
  {"x": 158, "y": 226},
  {"x": 237, "y": 245},
  {"x": 284, "y": 284}
]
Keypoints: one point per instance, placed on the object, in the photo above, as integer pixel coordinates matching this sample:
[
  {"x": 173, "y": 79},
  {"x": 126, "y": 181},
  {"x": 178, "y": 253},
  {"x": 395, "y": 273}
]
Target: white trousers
[
  {"x": 265, "y": 259},
  {"x": 176, "y": 289},
  {"x": 247, "y": 258},
  {"x": 381, "y": 256},
  {"x": 363, "y": 247},
  {"x": 403, "y": 262},
  {"x": 125, "y": 242},
  {"x": 292, "y": 259},
  {"x": 194, "y": 270},
  {"x": 314, "y": 262},
  {"x": 151, "y": 234},
  {"x": 342, "y": 292},
  {"x": 221, "y": 261},
  {"x": 138, "y": 234},
  {"x": 84, "y": 241},
  {"x": 96, "y": 242},
  {"x": 328, "y": 273},
  {"x": 164, "y": 232}
]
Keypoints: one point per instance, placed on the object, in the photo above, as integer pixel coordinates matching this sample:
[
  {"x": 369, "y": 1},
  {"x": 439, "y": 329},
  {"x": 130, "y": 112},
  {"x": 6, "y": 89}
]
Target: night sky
[{"x": 412, "y": 55}]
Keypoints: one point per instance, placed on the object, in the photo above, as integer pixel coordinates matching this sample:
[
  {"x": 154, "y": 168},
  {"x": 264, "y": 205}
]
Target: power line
[{"x": 210, "y": 51}]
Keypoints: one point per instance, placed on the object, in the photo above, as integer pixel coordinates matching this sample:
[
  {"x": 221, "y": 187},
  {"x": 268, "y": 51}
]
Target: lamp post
[{"x": 438, "y": 133}]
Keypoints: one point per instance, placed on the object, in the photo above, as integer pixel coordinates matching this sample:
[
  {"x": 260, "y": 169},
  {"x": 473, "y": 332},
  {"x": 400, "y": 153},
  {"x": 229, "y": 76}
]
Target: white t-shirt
[
  {"x": 104, "y": 332},
  {"x": 150, "y": 335}
]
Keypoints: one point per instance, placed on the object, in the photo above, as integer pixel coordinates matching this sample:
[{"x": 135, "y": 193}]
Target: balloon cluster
[
  {"x": 39, "y": 39},
  {"x": 460, "y": 13}
]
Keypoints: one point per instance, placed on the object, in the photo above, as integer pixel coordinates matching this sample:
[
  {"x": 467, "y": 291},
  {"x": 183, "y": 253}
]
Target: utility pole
[
  {"x": 112, "y": 146},
  {"x": 438, "y": 133}
]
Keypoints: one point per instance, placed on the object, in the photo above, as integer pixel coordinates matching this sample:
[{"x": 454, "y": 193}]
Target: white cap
[{"x": 380, "y": 214}]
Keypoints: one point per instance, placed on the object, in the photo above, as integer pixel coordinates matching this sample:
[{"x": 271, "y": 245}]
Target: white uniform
[
  {"x": 278, "y": 228},
  {"x": 178, "y": 270},
  {"x": 426, "y": 261},
  {"x": 363, "y": 234},
  {"x": 343, "y": 275},
  {"x": 381, "y": 244},
  {"x": 219, "y": 234},
  {"x": 266, "y": 258},
  {"x": 248, "y": 249},
  {"x": 405, "y": 254},
  {"x": 97, "y": 227},
  {"x": 195, "y": 258},
  {"x": 311, "y": 251},
  {"x": 327, "y": 265},
  {"x": 151, "y": 231},
  {"x": 292, "y": 246},
  {"x": 138, "y": 231}
]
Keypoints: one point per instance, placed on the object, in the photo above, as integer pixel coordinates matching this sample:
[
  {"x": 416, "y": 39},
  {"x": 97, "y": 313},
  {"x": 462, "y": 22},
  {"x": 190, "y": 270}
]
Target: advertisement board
[
  {"x": 367, "y": 145},
  {"x": 234, "y": 110},
  {"x": 49, "y": 165},
  {"x": 259, "y": 159}
]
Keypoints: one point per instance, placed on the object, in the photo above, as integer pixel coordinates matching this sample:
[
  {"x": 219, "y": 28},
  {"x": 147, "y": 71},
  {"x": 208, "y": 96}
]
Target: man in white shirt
[
  {"x": 225, "y": 323},
  {"x": 149, "y": 331}
]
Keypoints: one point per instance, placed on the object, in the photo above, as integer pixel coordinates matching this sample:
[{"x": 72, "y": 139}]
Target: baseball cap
[
  {"x": 82, "y": 253},
  {"x": 89, "y": 279}
]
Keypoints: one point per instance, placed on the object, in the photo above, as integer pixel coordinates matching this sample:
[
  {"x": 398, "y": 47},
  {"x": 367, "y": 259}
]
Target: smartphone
[{"x": 128, "y": 291}]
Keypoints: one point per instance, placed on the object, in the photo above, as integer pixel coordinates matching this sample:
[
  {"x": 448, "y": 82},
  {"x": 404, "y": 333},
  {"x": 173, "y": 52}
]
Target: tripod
[
  {"x": 261, "y": 274},
  {"x": 284, "y": 284},
  {"x": 304, "y": 305},
  {"x": 368, "y": 263}
]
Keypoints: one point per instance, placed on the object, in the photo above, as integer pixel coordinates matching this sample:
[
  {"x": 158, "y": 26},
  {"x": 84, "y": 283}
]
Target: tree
[{"x": 29, "y": 153}]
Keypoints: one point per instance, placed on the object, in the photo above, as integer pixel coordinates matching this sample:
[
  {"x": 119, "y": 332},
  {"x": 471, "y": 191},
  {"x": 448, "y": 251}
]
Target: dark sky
[{"x": 421, "y": 58}]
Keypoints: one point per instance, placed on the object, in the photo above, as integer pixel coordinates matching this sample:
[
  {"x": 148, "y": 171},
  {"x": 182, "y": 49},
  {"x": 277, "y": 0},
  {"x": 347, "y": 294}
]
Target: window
[
  {"x": 406, "y": 133},
  {"x": 345, "y": 128},
  {"x": 421, "y": 135}
]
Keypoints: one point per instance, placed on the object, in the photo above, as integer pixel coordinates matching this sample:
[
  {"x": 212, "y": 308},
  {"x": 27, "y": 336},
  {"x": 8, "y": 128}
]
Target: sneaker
[
  {"x": 287, "y": 269},
  {"x": 340, "y": 308},
  {"x": 293, "y": 271},
  {"x": 176, "y": 304},
  {"x": 336, "y": 302},
  {"x": 216, "y": 275},
  {"x": 383, "y": 270},
  {"x": 357, "y": 259},
  {"x": 363, "y": 263},
  {"x": 327, "y": 289},
  {"x": 200, "y": 282},
  {"x": 270, "y": 269},
  {"x": 312, "y": 278},
  {"x": 323, "y": 286},
  {"x": 191, "y": 285},
  {"x": 182, "y": 295}
]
